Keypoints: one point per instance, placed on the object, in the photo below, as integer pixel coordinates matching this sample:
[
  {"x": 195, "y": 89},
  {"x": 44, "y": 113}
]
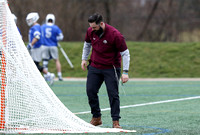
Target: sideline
[
  {"x": 144, "y": 104},
  {"x": 138, "y": 79}
]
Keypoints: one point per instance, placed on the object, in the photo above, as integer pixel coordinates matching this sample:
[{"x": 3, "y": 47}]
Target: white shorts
[
  {"x": 50, "y": 52},
  {"x": 36, "y": 54}
]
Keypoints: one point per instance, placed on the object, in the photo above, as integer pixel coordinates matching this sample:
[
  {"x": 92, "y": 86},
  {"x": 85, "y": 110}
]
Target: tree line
[{"x": 137, "y": 20}]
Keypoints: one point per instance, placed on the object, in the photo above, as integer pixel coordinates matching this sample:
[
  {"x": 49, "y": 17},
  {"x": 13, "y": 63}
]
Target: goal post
[
  {"x": 27, "y": 103},
  {"x": 3, "y": 67}
]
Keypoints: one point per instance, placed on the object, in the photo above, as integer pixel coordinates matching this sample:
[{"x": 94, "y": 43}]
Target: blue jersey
[
  {"x": 50, "y": 33},
  {"x": 34, "y": 32}
]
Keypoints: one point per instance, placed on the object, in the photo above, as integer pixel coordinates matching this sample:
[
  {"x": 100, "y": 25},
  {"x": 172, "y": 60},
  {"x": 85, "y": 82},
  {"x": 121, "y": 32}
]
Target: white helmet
[
  {"x": 14, "y": 17},
  {"x": 32, "y": 18},
  {"x": 52, "y": 17}
]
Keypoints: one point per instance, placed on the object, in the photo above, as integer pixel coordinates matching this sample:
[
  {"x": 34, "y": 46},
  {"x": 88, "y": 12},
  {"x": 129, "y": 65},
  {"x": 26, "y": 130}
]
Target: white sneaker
[{"x": 51, "y": 80}]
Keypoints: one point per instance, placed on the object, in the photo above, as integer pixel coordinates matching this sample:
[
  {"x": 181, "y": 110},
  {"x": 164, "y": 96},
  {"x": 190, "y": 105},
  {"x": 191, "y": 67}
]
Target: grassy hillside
[{"x": 147, "y": 60}]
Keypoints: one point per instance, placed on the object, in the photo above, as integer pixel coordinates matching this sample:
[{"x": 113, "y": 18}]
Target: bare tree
[
  {"x": 155, "y": 6},
  {"x": 146, "y": 20}
]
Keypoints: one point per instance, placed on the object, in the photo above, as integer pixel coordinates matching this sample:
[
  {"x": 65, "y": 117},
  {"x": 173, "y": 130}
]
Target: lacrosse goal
[{"x": 27, "y": 103}]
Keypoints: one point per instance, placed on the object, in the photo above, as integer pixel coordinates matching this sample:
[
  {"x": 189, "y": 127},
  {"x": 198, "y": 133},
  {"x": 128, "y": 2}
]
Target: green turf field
[{"x": 150, "y": 107}]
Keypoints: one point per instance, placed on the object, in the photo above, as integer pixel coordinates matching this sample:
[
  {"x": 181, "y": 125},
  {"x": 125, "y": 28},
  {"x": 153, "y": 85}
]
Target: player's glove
[{"x": 29, "y": 46}]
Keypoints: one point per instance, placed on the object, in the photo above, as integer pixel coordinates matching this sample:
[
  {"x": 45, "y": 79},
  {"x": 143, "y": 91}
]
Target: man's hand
[
  {"x": 125, "y": 78},
  {"x": 84, "y": 64}
]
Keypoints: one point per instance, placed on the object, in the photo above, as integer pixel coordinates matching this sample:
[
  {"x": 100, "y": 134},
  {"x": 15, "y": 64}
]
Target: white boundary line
[
  {"x": 139, "y": 79},
  {"x": 144, "y": 104}
]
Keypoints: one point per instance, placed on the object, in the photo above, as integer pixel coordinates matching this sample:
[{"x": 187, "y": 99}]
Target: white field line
[
  {"x": 145, "y": 104},
  {"x": 138, "y": 79}
]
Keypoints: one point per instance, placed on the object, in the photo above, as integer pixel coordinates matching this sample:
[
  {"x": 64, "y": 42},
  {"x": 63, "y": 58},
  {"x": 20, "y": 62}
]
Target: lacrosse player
[
  {"x": 35, "y": 43},
  {"x": 51, "y": 35}
]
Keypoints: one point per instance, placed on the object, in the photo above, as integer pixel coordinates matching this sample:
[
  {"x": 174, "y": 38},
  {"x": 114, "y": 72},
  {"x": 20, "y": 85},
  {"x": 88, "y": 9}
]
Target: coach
[{"x": 108, "y": 45}]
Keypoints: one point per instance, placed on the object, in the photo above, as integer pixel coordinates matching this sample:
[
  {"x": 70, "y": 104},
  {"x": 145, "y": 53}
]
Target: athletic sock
[
  {"x": 59, "y": 74},
  {"x": 48, "y": 74}
]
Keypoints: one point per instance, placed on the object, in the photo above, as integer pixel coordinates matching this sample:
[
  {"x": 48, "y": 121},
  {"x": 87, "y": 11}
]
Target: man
[
  {"x": 108, "y": 45},
  {"x": 52, "y": 34},
  {"x": 35, "y": 44}
]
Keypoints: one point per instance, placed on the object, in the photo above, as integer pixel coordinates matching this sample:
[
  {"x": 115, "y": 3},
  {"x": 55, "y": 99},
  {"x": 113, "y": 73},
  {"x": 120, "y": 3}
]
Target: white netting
[{"x": 28, "y": 105}]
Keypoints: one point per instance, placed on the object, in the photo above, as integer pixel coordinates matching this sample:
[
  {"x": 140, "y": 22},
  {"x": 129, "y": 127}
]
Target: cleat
[{"x": 60, "y": 78}]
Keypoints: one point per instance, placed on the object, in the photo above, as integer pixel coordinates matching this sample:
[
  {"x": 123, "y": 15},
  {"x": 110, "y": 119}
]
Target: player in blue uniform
[
  {"x": 35, "y": 42},
  {"x": 51, "y": 35}
]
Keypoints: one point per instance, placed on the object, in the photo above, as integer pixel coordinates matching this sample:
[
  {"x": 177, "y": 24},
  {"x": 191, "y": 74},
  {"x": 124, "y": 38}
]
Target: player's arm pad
[
  {"x": 60, "y": 37},
  {"x": 86, "y": 50},
  {"x": 37, "y": 35},
  {"x": 126, "y": 59}
]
